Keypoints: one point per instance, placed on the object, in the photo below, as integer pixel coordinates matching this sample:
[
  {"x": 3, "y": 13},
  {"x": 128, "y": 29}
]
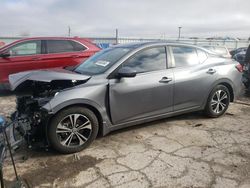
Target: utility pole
[
  {"x": 116, "y": 36},
  {"x": 179, "y": 36},
  {"x": 69, "y": 31}
]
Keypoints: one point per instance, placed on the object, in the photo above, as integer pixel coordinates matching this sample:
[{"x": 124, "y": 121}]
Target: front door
[{"x": 149, "y": 93}]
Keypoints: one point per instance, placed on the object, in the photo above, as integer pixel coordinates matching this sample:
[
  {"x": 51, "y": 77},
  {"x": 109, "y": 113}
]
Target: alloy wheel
[
  {"x": 74, "y": 130},
  {"x": 219, "y": 101}
]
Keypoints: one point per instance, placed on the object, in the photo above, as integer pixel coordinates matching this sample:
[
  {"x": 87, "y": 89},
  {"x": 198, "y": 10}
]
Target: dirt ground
[{"x": 185, "y": 151}]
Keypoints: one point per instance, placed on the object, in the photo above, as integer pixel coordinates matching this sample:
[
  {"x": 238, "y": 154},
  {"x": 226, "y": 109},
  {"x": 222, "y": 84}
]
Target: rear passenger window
[
  {"x": 59, "y": 46},
  {"x": 78, "y": 46},
  {"x": 185, "y": 56}
]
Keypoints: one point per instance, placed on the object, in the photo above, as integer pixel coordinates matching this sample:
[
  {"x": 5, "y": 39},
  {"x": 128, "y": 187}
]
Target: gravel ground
[{"x": 185, "y": 151}]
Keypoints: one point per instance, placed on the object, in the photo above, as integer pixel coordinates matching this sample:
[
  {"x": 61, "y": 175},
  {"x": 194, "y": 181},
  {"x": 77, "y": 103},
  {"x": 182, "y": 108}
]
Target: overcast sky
[{"x": 133, "y": 18}]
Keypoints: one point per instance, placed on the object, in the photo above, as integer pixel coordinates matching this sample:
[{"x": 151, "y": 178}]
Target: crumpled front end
[{"x": 33, "y": 91}]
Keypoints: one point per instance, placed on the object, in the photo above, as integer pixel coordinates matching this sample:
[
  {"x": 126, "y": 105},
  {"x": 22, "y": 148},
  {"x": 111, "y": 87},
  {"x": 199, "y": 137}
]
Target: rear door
[
  {"x": 23, "y": 56},
  {"x": 193, "y": 77},
  {"x": 149, "y": 93},
  {"x": 63, "y": 53}
]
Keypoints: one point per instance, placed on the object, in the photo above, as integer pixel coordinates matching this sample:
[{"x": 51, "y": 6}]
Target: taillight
[{"x": 239, "y": 67}]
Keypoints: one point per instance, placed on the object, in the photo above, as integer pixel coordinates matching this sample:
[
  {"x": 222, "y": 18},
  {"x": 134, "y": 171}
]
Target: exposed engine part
[
  {"x": 28, "y": 120},
  {"x": 44, "y": 89},
  {"x": 34, "y": 89}
]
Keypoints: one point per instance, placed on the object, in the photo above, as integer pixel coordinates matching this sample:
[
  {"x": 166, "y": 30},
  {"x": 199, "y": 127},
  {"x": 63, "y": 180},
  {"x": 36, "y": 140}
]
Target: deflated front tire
[{"x": 72, "y": 129}]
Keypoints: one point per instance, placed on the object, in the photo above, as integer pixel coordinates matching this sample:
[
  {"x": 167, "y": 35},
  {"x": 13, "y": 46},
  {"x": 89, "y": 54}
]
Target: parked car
[
  {"x": 43, "y": 53},
  {"x": 240, "y": 57},
  {"x": 220, "y": 50},
  {"x": 238, "y": 50},
  {"x": 244, "y": 68},
  {"x": 122, "y": 86}
]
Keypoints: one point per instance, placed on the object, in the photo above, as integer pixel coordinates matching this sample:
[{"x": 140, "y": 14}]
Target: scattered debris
[
  {"x": 241, "y": 102},
  {"x": 138, "y": 136},
  {"x": 76, "y": 157},
  {"x": 198, "y": 125},
  {"x": 189, "y": 122},
  {"x": 25, "y": 158}
]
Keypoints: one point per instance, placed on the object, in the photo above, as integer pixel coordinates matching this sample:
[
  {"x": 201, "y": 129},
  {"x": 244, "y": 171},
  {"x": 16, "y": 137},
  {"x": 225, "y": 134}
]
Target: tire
[
  {"x": 69, "y": 130},
  {"x": 214, "y": 107}
]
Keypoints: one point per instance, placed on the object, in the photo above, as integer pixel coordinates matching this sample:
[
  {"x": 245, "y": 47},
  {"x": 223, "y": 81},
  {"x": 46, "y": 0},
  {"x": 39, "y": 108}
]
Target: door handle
[
  {"x": 211, "y": 71},
  {"x": 165, "y": 80}
]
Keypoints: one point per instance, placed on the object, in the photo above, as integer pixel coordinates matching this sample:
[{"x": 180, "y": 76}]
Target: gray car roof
[
  {"x": 144, "y": 44},
  {"x": 140, "y": 44}
]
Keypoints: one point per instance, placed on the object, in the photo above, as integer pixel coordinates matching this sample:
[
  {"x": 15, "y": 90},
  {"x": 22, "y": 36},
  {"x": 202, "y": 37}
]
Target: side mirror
[
  {"x": 126, "y": 72},
  {"x": 4, "y": 54}
]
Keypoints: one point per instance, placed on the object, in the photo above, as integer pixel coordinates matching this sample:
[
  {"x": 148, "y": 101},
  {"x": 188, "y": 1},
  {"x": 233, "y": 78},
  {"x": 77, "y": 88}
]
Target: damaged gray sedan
[{"x": 118, "y": 87}]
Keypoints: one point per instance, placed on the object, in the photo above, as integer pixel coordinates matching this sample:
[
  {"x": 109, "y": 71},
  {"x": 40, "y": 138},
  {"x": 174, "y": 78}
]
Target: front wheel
[
  {"x": 218, "y": 101},
  {"x": 72, "y": 129}
]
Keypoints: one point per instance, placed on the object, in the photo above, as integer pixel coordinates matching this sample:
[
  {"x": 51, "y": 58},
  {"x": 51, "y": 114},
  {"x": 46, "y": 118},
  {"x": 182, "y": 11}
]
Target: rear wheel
[
  {"x": 218, "y": 101},
  {"x": 72, "y": 129}
]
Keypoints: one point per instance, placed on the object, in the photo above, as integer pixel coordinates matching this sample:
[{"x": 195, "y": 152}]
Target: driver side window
[
  {"x": 26, "y": 48},
  {"x": 151, "y": 59}
]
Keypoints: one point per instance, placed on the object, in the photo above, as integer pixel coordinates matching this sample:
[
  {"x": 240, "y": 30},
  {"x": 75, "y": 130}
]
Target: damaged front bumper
[
  {"x": 30, "y": 122},
  {"x": 34, "y": 91}
]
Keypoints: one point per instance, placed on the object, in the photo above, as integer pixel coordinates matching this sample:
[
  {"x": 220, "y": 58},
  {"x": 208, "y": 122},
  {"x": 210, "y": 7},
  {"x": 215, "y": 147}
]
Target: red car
[{"x": 43, "y": 53}]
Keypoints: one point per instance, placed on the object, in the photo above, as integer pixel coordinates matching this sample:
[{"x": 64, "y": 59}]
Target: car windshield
[{"x": 102, "y": 61}]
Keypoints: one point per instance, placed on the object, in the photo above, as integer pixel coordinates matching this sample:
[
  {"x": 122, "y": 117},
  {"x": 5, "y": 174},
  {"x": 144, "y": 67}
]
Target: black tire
[
  {"x": 55, "y": 137},
  {"x": 211, "y": 106}
]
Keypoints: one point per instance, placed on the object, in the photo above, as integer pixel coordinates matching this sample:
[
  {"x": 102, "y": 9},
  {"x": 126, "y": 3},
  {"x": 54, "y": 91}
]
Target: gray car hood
[{"x": 45, "y": 76}]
